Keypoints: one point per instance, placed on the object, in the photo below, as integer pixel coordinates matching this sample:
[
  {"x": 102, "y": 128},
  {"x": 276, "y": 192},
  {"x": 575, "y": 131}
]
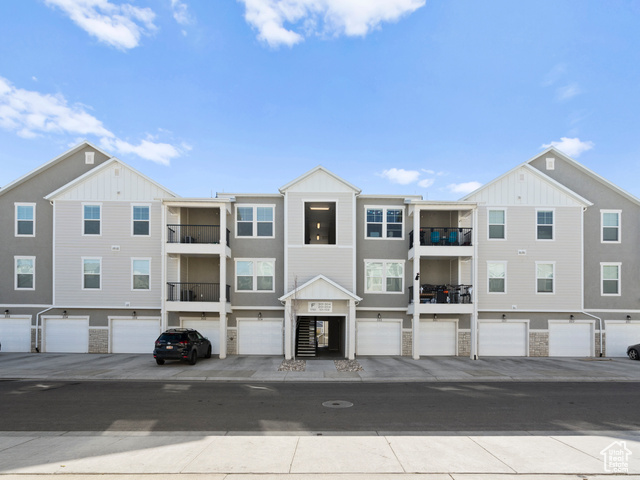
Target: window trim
[
  {"x": 602, "y": 227},
  {"x": 501, "y": 262},
  {"x": 24, "y": 204},
  {"x": 553, "y": 278},
  {"x": 503, "y": 239},
  {"x": 133, "y": 205},
  {"x": 254, "y": 285},
  {"x": 133, "y": 289},
  {"x": 91, "y": 204},
  {"x": 384, "y": 209},
  {"x": 553, "y": 224},
  {"x": 384, "y": 276},
  {"x": 15, "y": 272},
  {"x": 254, "y": 222},
  {"x": 82, "y": 287},
  {"x": 619, "y": 280}
]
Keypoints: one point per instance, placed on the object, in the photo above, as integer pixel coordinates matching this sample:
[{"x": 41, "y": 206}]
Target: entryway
[{"x": 320, "y": 336}]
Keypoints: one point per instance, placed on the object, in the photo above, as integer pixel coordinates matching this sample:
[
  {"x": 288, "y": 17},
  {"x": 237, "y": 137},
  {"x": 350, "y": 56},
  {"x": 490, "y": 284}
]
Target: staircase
[{"x": 306, "y": 334}]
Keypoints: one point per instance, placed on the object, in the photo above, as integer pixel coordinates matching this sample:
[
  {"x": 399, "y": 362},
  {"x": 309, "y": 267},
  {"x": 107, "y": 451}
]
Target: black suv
[{"x": 181, "y": 344}]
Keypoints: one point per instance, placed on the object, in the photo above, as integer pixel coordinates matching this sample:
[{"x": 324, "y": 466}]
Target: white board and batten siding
[
  {"x": 571, "y": 339},
  {"x": 65, "y": 335},
  {"x": 134, "y": 335},
  {"x": 503, "y": 339},
  {"x": 378, "y": 337},
  {"x": 619, "y": 335},
  {"x": 260, "y": 337},
  {"x": 15, "y": 333}
]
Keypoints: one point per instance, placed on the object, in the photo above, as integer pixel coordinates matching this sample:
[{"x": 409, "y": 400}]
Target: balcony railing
[
  {"x": 444, "y": 236},
  {"x": 195, "y": 292},
  {"x": 443, "y": 293},
  {"x": 195, "y": 234}
]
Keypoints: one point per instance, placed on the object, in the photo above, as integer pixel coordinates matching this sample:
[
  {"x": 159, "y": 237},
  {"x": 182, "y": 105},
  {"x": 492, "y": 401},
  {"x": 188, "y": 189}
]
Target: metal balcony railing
[
  {"x": 444, "y": 236},
  {"x": 443, "y": 293},
  {"x": 195, "y": 292},
  {"x": 195, "y": 234}
]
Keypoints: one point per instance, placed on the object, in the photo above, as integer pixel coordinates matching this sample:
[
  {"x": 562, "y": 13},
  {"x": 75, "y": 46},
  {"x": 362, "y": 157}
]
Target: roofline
[
  {"x": 315, "y": 279},
  {"x": 317, "y": 169},
  {"x": 399, "y": 197},
  {"x": 225, "y": 194}
]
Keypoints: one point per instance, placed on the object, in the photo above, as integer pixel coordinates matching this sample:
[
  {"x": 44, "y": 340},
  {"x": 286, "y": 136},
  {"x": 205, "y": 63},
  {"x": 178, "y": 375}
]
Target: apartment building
[{"x": 318, "y": 269}]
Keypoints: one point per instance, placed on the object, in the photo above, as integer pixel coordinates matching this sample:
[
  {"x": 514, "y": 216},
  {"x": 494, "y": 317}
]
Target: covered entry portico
[{"x": 320, "y": 297}]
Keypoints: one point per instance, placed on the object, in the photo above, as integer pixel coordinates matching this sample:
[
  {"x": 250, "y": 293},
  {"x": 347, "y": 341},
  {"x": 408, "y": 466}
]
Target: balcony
[
  {"x": 196, "y": 297},
  {"x": 443, "y": 299},
  {"x": 442, "y": 241},
  {"x": 197, "y": 239}
]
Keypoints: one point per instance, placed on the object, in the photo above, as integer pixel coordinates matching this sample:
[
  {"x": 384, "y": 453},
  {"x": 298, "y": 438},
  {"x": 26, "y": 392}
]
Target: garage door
[
  {"x": 438, "y": 338},
  {"x": 570, "y": 339},
  {"x": 619, "y": 336},
  {"x": 379, "y": 338},
  {"x": 502, "y": 339},
  {"x": 134, "y": 336},
  {"x": 260, "y": 337},
  {"x": 69, "y": 335},
  {"x": 207, "y": 328},
  {"x": 15, "y": 334}
]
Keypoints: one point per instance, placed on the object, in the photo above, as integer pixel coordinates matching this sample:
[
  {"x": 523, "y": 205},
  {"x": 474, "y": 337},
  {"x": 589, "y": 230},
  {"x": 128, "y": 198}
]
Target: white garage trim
[
  {"x": 207, "y": 328},
  {"x": 571, "y": 338},
  {"x": 65, "y": 335},
  {"x": 260, "y": 337},
  {"x": 375, "y": 337},
  {"x": 497, "y": 338},
  {"x": 438, "y": 338},
  {"x": 133, "y": 335},
  {"x": 619, "y": 334},
  {"x": 15, "y": 333}
]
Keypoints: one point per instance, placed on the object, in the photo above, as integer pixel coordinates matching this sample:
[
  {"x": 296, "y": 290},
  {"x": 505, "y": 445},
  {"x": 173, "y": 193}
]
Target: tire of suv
[
  {"x": 159, "y": 361},
  {"x": 208, "y": 355},
  {"x": 193, "y": 358}
]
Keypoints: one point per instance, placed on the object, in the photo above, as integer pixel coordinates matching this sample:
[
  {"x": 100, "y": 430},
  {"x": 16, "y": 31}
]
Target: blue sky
[{"x": 427, "y": 97}]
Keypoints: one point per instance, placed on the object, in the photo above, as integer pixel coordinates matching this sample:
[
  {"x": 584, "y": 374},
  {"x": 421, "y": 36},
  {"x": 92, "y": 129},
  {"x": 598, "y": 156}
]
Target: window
[
  {"x": 610, "y": 278},
  {"x": 140, "y": 215},
  {"x": 255, "y": 275},
  {"x": 91, "y": 268},
  {"x": 384, "y": 276},
  {"x": 140, "y": 269},
  {"x": 610, "y": 220},
  {"x": 384, "y": 222},
  {"x": 91, "y": 219},
  {"x": 320, "y": 223},
  {"x": 544, "y": 224},
  {"x": 497, "y": 222},
  {"x": 545, "y": 274},
  {"x": 25, "y": 219},
  {"x": 254, "y": 221},
  {"x": 25, "y": 268},
  {"x": 497, "y": 274}
]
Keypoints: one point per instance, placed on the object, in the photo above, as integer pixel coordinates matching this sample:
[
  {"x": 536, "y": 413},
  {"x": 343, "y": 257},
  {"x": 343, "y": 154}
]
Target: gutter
[
  {"x": 38, "y": 324},
  {"x": 599, "y": 328}
]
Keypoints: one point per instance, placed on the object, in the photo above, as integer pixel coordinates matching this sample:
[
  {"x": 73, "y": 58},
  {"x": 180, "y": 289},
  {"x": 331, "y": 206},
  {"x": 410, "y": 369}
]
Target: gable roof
[
  {"x": 51, "y": 163},
  {"x": 312, "y": 172},
  {"x": 323, "y": 279}
]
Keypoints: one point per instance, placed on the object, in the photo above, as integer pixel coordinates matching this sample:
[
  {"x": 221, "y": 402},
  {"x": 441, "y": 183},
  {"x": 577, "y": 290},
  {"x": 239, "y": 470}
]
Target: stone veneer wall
[
  {"x": 604, "y": 345},
  {"x": 98, "y": 340},
  {"x": 232, "y": 341},
  {"x": 464, "y": 344},
  {"x": 538, "y": 344},
  {"x": 407, "y": 343}
]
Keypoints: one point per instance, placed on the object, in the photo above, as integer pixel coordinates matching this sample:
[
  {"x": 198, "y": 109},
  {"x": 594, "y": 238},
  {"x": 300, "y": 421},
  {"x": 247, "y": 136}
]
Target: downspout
[
  {"x": 599, "y": 327},
  {"x": 38, "y": 325}
]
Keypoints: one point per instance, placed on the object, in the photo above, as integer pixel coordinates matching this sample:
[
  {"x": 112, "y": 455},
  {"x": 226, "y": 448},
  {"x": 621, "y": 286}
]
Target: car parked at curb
[
  {"x": 181, "y": 344},
  {"x": 633, "y": 351}
]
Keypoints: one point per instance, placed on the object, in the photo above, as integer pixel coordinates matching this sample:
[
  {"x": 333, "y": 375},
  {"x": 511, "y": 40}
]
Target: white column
[
  {"x": 351, "y": 330},
  {"x": 416, "y": 284},
  {"x": 474, "y": 292},
  {"x": 288, "y": 337},
  {"x": 223, "y": 282}
]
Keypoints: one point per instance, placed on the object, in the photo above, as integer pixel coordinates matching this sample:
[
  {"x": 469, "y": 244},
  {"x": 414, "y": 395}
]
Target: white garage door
[
  {"x": 68, "y": 335},
  {"x": 15, "y": 334},
  {"x": 134, "y": 336},
  {"x": 438, "y": 338},
  {"x": 571, "y": 339},
  {"x": 619, "y": 336},
  {"x": 207, "y": 328},
  {"x": 379, "y": 338},
  {"x": 502, "y": 339},
  {"x": 260, "y": 337}
]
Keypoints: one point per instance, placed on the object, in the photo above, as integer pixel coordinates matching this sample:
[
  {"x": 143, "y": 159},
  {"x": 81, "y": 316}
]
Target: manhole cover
[{"x": 337, "y": 404}]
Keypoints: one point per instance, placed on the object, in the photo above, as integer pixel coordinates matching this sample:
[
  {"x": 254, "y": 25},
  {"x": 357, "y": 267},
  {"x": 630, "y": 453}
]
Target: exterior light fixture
[
  {"x": 628, "y": 316},
  {"x": 318, "y": 225},
  {"x": 504, "y": 316},
  {"x": 417, "y": 276},
  {"x": 259, "y": 315},
  {"x": 203, "y": 316},
  {"x": 571, "y": 317},
  {"x": 379, "y": 317},
  {"x": 435, "y": 317},
  {"x": 6, "y": 313},
  {"x": 64, "y": 314},
  {"x": 134, "y": 315}
]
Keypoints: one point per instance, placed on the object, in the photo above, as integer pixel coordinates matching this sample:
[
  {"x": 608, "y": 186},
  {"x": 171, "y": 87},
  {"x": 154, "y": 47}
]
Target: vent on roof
[
  {"x": 521, "y": 177},
  {"x": 88, "y": 158},
  {"x": 551, "y": 163},
  {"x": 116, "y": 172}
]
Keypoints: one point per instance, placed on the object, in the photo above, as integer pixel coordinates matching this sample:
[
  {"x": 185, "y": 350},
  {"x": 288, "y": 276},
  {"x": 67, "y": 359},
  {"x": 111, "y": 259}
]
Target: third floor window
[{"x": 254, "y": 221}]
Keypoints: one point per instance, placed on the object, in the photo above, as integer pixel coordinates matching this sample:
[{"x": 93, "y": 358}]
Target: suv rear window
[{"x": 172, "y": 337}]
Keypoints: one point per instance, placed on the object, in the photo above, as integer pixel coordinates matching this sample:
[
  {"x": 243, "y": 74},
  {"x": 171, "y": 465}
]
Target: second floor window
[
  {"x": 92, "y": 219},
  {"x": 545, "y": 274},
  {"x": 254, "y": 221},
  {"x": 25, "y": 268},
  {"x": 91, "y": 273},
  {"x": 610, "y": 226},
  {"x": 497, "y": 276},
  {"x": 384, "y": 222},
  {"x": 255, "y": 275},
  {"x": 545, "y": 225},
  {"x": 610, "y": 278},
  {"x": 141, "y": 273},
  {"x": 384, "y": 276},
  {"x": 497, "y": 224},
  {"x": 25, "y": 220},
  {"x": 141, "y": 220}
]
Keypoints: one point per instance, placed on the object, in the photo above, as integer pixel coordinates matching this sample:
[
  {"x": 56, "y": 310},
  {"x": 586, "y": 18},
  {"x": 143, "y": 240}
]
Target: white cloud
[
  {"x": 120, "y": 26},
  {"x": 573, "y": 147},
  {"x": 554, "y": 75},
  {"x": 181, "y": 12},
  {"x": 333, "y": 17},
  {"x": 463, "y": 188},
  {"x": 30, "y": 114},
  {"x": 568, "y": 91},
  {"x": 426, "y": 183},
  {"x": 401, "y": 176}
]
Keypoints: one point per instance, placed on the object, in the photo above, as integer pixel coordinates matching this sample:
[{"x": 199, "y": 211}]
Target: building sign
[{"x": 320, "y": 307}]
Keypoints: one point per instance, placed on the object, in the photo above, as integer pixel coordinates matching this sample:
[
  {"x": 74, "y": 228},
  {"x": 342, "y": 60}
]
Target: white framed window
[
  {"x": 140, "y": 274},
  {"x": 255, "y": 274},
  {"x": 384, "y": 276},
  {"x": 544, "y": 224},
  {"x": 610, "y": 222},
  {"x": 25, "y": 220},
  {"x": 384, "y": 222},
  {"x": 497, "y": 277},
  {"x": 610, "y": 274},
  {"x": 497, "y": 224},
  {"x": 253, "y": 221},
  {"x": 545, "y": 277},
  {"x": 91, "y": 273},
  {"x": 25, "y": 273},
  {"x": 140, "y": 220},
  {"x": 92, "y": 217}
]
